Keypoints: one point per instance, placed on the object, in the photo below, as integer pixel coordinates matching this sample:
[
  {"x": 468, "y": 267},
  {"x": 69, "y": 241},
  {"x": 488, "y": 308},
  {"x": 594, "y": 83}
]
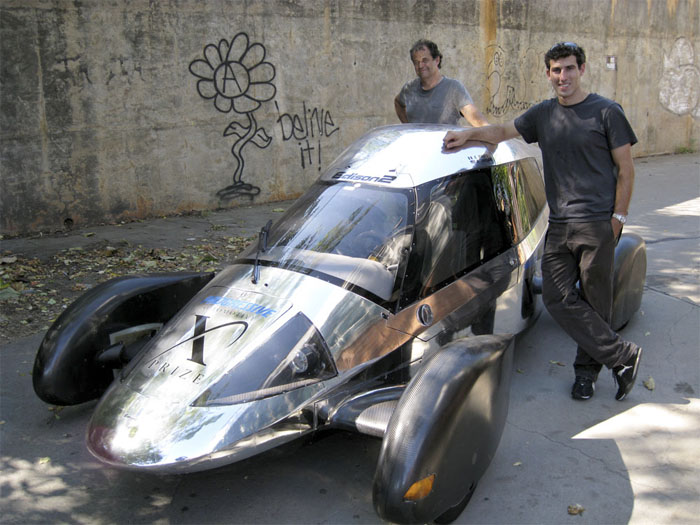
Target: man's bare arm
[
  {"x": 492, "y": 134},
  {"x": 622, "y": 157},
  {"x": 400, "y": 110},
  {"x": 474, "y": 116}
]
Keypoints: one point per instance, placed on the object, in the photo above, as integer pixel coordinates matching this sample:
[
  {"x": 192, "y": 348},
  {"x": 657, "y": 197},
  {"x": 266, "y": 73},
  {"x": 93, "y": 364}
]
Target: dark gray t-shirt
[
  {"x": 439, "y": 105},
  {"x": 576, "y": 142}
]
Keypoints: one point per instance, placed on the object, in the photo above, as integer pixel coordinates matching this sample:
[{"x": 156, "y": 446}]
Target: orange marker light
[{"x": 420, "y": 489}]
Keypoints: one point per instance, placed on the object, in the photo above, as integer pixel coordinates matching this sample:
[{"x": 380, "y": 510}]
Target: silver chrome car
[{"x": 385, "y": 301}]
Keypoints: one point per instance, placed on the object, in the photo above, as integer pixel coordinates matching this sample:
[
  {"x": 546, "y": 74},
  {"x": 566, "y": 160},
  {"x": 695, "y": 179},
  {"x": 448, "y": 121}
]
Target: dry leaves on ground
[{"x": 34, "y": 292}]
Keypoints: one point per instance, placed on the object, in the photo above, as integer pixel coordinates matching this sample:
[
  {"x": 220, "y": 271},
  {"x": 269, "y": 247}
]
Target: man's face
[
  {"x": 426, "y": 66},
  {"x": 565, "y": 76}
]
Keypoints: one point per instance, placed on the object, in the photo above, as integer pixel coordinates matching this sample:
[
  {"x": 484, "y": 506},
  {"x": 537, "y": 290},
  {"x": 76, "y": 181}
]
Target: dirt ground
[{"x": 34, "y": 290}]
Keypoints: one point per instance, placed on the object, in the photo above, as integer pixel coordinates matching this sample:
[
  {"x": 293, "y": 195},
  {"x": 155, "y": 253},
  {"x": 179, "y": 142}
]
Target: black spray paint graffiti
[
  {"x": 308, "y": 129},
  {"x": 504, "y": 98},
  {"x": 235, "y": 75}
]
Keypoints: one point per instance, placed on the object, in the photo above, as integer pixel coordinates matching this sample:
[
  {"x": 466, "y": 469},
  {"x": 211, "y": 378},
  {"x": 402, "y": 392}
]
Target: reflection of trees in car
[
  {"x": 458, "y": 228},
  {"x": 517, "y": 188},
  {"x": 345, "y": 219},
  {"x": 466, "y": 220},
  {"x": 529, "y": 191},
  {"x": 350, "y": 234}
]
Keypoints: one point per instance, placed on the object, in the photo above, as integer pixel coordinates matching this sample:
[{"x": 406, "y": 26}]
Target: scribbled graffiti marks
[
  {"x": 308, "y": 128},
  {"x": 679, "y": 87},
  {"x": 505, "y": 97},
  {"x": 236, "y": 77}
]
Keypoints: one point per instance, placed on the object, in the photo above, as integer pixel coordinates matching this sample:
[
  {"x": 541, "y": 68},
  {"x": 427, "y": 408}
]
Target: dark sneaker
[
  {"x": 625, "y": 375},
  {"x": 583, "y": 388}
]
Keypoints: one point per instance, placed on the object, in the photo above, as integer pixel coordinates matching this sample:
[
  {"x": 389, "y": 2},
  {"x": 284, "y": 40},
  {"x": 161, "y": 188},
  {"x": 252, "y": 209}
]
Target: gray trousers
[{"x": 583, "y": 253}]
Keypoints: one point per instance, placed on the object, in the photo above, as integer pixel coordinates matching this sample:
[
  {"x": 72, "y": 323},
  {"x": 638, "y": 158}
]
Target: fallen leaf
[
  {"x": 8, "y": 260},
  {"x": 558, "y": 363},
  {"x": 576, "y": 509},
  {"x": 278, "y": 210},
  {"x": 8, "y": 293},
  {"x": 517, "y": 463},
  {"x": 44, "y": 460},
  {"x": 650, "y": 384}
]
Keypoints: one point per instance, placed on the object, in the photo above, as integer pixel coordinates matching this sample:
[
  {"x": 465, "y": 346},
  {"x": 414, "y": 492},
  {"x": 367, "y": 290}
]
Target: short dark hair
[
  {"x": 430, "y": 46},
  {"x": 565, "y": 49}
]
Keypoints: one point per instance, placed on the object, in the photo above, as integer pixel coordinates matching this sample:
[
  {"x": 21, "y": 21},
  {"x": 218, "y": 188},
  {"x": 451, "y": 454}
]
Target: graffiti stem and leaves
[{"x": 236, "y": 77}]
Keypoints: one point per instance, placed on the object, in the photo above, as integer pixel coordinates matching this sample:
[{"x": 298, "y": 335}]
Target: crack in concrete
[
  {"x": 624, "y": 475},
  {"x": 667, "y": 294},
  {"x": 572, "y": 448}
]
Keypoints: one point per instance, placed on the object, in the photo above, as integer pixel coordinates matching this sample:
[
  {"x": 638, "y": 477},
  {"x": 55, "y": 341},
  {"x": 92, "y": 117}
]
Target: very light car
[{"x": 385, "y": 301}]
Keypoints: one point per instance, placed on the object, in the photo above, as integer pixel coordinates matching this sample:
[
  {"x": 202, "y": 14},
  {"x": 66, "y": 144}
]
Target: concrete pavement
[{"x": 634, "y": 461}]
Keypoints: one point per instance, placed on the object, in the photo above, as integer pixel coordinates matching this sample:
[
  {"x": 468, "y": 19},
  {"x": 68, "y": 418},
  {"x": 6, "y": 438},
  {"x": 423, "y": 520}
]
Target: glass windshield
[{"x": 352, "y": 234}]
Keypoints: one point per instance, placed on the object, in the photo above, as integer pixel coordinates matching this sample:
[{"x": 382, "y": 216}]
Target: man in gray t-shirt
[
  {"x": 432, "y": 98},
  {"x": 586, "y": 145}
]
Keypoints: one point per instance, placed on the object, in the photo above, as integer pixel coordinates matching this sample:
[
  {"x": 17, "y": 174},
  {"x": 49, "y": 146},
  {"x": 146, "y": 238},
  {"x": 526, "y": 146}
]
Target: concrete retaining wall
[{"x": 113, "y": 110}]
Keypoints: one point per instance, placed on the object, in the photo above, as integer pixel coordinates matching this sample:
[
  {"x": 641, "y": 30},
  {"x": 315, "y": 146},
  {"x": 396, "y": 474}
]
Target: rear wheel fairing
[{"x": 629, "y": 278}]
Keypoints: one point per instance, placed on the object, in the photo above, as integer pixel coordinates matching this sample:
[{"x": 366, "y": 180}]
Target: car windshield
[{"x": 348, "y": 233}]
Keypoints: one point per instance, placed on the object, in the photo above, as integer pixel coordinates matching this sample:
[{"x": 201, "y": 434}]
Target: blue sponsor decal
[{"x": 237, "y": 304}]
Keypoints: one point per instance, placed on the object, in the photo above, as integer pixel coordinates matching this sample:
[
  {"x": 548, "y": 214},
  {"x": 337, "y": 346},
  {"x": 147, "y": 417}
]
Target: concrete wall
[{"x": 110, "y": 109}]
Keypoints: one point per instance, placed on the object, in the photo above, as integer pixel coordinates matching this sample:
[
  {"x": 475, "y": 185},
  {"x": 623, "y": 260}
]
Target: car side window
[
  {"x": 530, "y": 193},
  {"x": 462, "y": 221}
]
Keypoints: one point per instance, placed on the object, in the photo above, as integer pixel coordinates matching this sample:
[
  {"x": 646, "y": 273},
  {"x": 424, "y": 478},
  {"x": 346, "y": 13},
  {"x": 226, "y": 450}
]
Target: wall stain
[
  {"x": 488, "y": 21},
  {"x": 671, "y": 6}
]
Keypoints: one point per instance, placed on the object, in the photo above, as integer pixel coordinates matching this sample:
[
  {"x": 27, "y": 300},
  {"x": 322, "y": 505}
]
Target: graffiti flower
[
  {"x": 235, "y": 75},
  {"x": 237, "y": 78}
]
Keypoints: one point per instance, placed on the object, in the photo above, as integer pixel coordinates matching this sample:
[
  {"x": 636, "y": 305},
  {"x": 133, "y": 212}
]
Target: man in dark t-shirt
[{"x": 586, "y": 145}]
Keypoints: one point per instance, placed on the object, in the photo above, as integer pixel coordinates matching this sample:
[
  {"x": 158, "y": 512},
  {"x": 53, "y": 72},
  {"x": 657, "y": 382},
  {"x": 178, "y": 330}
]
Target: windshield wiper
[{"x": 262, "y": 246}]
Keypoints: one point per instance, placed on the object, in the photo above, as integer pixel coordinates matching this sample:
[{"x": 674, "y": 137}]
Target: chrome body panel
[
  {"x": 319, "y": 325},
  {"x": 409, "y": 155},
  {"x": 147, "y": 420},
  {"x": 384, "y": 301}
]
